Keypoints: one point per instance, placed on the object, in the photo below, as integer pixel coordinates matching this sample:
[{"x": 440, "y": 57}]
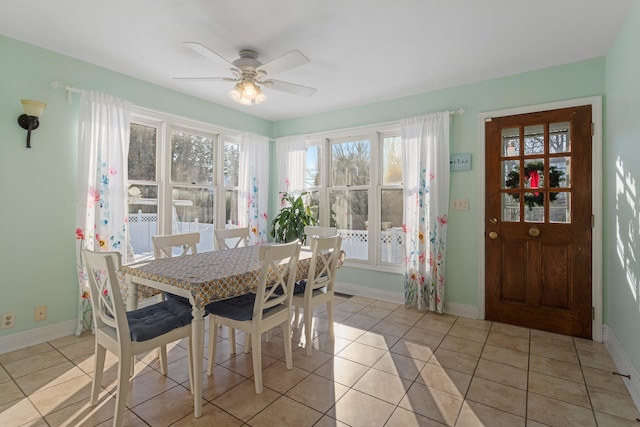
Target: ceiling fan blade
[
  {"x": 283, "y": 63},
  {"x": 208, "y": 53},
  {"x": 290, "y": 87},
  {"x": 202, "y": 79}
]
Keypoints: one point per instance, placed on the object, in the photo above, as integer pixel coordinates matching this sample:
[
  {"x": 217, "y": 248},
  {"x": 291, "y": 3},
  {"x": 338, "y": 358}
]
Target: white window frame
[
  {"x": 375, "y": 135},
  {"x": 165, "y": 124}
]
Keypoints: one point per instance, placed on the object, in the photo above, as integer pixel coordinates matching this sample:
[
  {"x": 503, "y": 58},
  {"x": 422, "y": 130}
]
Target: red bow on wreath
[{"x": 534, "y": 180}]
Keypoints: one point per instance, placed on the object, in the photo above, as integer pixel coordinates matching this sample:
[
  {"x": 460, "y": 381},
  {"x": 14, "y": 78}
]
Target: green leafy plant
[{"x": 289, "y": 224}]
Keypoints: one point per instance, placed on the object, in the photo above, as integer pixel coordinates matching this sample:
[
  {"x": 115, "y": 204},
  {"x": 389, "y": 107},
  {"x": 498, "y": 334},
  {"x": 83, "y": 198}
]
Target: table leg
[
  {"x": 132, "y": 296},
  {"x": 197, "y": 342}
]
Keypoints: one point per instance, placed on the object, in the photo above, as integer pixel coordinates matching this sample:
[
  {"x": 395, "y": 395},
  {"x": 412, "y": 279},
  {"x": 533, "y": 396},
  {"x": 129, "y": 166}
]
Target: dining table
[{"x": 202, "y": 278}]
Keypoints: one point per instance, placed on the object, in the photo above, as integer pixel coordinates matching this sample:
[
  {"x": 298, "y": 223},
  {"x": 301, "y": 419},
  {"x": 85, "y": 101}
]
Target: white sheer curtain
[
  {"x": 426, "y": 206},
  {"x": 101, "y": 202},
  {"x": 253, "y": 197},
  {"x": 290, "y": 161}
]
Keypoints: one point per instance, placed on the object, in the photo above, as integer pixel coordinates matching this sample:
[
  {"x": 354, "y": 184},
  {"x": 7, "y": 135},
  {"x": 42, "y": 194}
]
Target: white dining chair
[
  {"x": 259, "y": 312},
  {"x": 186, "y": 242},
  {"x": 319, "y": 286},
  {"x": 312, "y": 230},
  {"x": 238, "y": 235},
  {"x": 127, "y": 333}
]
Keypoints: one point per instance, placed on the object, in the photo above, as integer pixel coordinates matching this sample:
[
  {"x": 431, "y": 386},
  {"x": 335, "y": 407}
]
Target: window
[
  {"x": 357, "y": 187},
  {"x": 175, "y": 167}
]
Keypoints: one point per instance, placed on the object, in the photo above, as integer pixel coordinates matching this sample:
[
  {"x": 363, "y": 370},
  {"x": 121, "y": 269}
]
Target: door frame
[{"x": 596, "y": 201}]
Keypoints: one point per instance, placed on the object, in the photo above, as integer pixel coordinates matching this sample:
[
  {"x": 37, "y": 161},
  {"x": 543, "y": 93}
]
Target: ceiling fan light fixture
[
  {"x": 236, "y": 92},
  {"x": 249, "y": 90},
  {"x": 245, "y": 101},
  {"x": 260, "y": 96}
]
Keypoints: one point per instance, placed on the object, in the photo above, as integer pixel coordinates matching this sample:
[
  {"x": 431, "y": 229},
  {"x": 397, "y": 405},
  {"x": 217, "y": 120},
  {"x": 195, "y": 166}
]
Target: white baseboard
[
  {"x": 623, "y": 363},
  {"x": 37, "y": 336},
  {"x": 398, "y": 297}
]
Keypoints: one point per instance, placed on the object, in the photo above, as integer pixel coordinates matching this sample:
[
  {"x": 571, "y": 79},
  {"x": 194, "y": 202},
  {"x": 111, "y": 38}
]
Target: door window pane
[
  {"x": 511, "y": 142},
  {"x": 351, "y": 163},
  {"x": 510, "y": 207},
  {"x": 191, "y": 158},
  {"x": 559, "y": 140},
  {"x": 534, "y": 173},
  {"x": 560, "y": 207},
  {"x": 560, "y": 172},
  {"x": 534, "y": 207},
  {"x": 533, "y": 140},
  {"x": 510, "y": 174},
  {"x": 351, "y": 209},
  {"x": 142, "y": 152},
  {"x": 391, "y": 161}
]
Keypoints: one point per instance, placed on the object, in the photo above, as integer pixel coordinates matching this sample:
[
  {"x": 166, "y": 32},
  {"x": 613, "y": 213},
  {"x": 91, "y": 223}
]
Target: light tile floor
[{"x": 388, "y": 366}]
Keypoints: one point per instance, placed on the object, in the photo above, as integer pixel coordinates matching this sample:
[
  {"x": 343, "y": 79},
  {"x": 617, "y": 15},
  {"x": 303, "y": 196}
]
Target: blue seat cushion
[
  {"x": 183, "y": 300},
  {"x": 158, "y": 319},
  {"x": 238, "y": 308},
  {"x": 298, "y": 287}
]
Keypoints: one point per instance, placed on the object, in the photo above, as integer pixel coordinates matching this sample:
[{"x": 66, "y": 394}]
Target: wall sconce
[{"x": 29, "y": 120}]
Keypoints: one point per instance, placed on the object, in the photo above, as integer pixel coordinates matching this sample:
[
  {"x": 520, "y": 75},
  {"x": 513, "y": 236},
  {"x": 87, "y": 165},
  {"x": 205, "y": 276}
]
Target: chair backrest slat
[
  {"x": 279, "y": 268},
  {"x": 163, "y": 245},
  {"x": 324, "y": 262},
  {"x": 222, "y": 234},
  {"x": 106, "y": 299}
]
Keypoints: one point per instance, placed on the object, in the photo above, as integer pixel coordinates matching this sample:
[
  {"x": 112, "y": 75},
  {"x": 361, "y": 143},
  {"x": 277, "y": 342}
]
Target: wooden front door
[{"x": 538, "y": 220}]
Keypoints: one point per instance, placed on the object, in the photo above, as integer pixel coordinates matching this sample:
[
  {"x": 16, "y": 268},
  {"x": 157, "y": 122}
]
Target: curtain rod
[
  {"x": 458, "y": 112},
  {"x": 69, "y": 89}
]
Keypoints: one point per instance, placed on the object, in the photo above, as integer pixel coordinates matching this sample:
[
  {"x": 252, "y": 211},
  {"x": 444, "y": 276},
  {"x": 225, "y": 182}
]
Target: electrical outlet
[
  {"x": 8, "y": 320},
  {"x": 40, "y": 313}
]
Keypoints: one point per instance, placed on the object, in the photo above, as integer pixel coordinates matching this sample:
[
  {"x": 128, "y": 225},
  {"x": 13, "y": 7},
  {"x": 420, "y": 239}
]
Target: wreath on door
[{"x": 532, "y": 173}]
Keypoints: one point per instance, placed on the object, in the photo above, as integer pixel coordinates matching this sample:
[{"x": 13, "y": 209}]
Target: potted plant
[{"x": 294, "y": 215}]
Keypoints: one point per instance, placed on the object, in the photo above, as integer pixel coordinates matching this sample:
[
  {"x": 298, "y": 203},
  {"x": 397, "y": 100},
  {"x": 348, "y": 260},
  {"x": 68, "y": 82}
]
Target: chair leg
[
  {"x": 287, "y": 343},
  {"x": 123, "y": 388},
  {"x": 268, "y": 337},
  {"x": 330, "y": 319},
  {"x": 247, "y": 342},
  {"x": 308, "y": 328},
  {"x": 232, "y": 340},
  {"x": 98, "y": 369},
  {"x": 162, "y": 351},
  {"x": 296, "y": 318},
  {"x": 213, "y": 338},
  {"x": 132, "y": 367},
  {"x": 256, "y": 355},
  {"x": 190, "y": 363}
]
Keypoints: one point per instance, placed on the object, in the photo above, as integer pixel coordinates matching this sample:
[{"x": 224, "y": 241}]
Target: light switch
[{"x": 460, "y": 205}]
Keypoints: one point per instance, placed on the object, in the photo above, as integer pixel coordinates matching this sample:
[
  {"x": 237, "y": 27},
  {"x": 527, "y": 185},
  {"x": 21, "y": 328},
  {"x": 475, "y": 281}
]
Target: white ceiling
[{"x": 361, "y": 51}]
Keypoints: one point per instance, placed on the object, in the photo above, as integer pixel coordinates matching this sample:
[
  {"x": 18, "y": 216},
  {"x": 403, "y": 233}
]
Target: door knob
[
  {"x": 493, "y": 235},
  {"x": 534, "y": 231}
]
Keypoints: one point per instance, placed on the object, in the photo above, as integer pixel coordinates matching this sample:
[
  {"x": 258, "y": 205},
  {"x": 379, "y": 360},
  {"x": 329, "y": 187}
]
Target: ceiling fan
[{"x": 250, "y": 75}]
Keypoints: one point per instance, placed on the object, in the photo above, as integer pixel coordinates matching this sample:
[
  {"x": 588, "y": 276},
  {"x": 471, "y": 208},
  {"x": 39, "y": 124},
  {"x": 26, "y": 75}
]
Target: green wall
[
  {"x": 571, "y": 81},
  {"x": 622, "y": 187},
  {"x": 38, "y": 186}
]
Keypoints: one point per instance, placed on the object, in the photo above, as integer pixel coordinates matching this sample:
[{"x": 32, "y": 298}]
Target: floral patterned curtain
[
  {"x": 425, "y": 142},
  {"x": 101, "y": 203},
  {"x": 254, "y": 186}
]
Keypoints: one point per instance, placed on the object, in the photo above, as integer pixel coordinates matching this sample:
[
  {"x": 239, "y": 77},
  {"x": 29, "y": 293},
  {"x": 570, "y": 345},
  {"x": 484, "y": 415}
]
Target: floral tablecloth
[{"x": 210, "y": 276}]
